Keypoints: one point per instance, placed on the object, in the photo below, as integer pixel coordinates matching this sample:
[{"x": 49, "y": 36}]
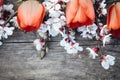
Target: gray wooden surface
[{"x": 20, "y": 61}]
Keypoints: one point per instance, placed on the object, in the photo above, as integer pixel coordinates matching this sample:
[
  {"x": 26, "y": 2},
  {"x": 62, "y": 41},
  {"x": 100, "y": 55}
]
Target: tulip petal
[
  {"x": 71, "y": 10},
  {"x": 112, "y": 19},
  {"x": 79, "y": 16},
  {"x": 87, "y": 6},
  {"x": 30, "y": 15},
  {"x": 117, "y": 6}
]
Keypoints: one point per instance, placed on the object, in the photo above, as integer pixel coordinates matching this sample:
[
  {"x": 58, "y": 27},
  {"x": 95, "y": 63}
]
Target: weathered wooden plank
[
  {"x": 21, "y": 37},
  {"x": 21, "y": 62}
]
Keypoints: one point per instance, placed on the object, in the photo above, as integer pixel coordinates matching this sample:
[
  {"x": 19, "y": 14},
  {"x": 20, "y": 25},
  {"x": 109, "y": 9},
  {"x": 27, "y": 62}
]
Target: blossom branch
[
  {"x": 10, "y": 18},
  {"x": 44, "y": 49},
  {"x": 100, "y": 50}
]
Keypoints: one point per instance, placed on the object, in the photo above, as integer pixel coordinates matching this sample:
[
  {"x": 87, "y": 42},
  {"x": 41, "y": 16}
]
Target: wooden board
[{"x": 20, "y": 61}]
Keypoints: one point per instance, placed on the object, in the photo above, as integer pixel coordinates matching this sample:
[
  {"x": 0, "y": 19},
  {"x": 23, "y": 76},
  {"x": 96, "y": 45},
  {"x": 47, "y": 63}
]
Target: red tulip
[
  {"x": 30, "y": 15},
  {"x": 1, "y": 2},
  {"x": 79, "y": 13},
  {"x": 113, "y": 19}
]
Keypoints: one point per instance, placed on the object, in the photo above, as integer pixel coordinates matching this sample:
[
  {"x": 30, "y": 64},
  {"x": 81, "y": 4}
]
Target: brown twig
[
  {"x": 44, "y": 49},
  {"x": 100, "y": 50}
]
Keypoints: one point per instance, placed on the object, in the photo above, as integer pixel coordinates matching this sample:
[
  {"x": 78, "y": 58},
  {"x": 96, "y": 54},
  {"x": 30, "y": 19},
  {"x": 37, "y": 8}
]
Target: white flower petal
[
  {"x": 82, "y": 28},
  {"x": 62, "y": 42},
  {"x": 104, "y": 30},
  {"x": 109, "y": 57},
  {"x": 57, "y": 7},
  {"x": 53, "y": 33},
  {"x": 2, "y": 22},
  {"x": 105, "y": 65},
  {"x": 5, "y": 36},
  {"x": 63, "y": 18},
  {"x": 92, "y": 53},
  {"x": 38, "y": 47},
  {"x": 65, "y": 1},
  {"x": 37, "y": 44},
  {"x": 79, "y": 48},
  {"x": 72, "y": 51},
  {"x": 111, "y": 63},
  {"x": 56, "y": 26},
  {"x": 106, "y": 39}
]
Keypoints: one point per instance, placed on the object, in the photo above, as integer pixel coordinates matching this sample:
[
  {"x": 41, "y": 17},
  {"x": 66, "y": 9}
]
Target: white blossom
[
  {"x": 63, "y": 42},
  {"x": 53, "y": 32},
  {"x": 48, "y": 4},
  {"x": 102, "y": 6},
  {"x": 5, "y": 32},
  {"x": 63, "y": 18},
  {"x": 54, "y": 13},
  {"x": 56, "y": 18},
  {"x": 38, "y": 44},
  {"x": 104, "y": 31},
  {"x": 70, "y": 47},
  {"x": 1, "y": 32},
  {"x": 9, "y": 7},
  {"x": 104, "y": 11},
  {"x": 43, "y": 31},
  {"x": 107, "y": 61},
  {"x": 65, "y": 1},
  {"x": 88, "y": 31},
  {"x": 106, "y": 39},
  {"x": 92, "y": 53},
  {"x": 54, "y": 1},
  {"x": 8, "y": 31},
  {"x": 57, "y": 7},
  {"x": 14, "y": 20},
  {"x": 73, "y": 48},
  {"x": 2, "y": 22},
  {"x": 78, "y": 47}
]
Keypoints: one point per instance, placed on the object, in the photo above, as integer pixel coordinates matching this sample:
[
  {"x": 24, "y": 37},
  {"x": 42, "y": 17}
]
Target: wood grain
[{"x": 20, "y": 61}]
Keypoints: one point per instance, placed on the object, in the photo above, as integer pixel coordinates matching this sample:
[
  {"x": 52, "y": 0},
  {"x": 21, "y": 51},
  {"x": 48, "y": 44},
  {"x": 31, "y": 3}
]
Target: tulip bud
[
  {"x": 79, "y": 13},
  {"x": 30, "y": 15},
  {"x": 113, "y": 18}
]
